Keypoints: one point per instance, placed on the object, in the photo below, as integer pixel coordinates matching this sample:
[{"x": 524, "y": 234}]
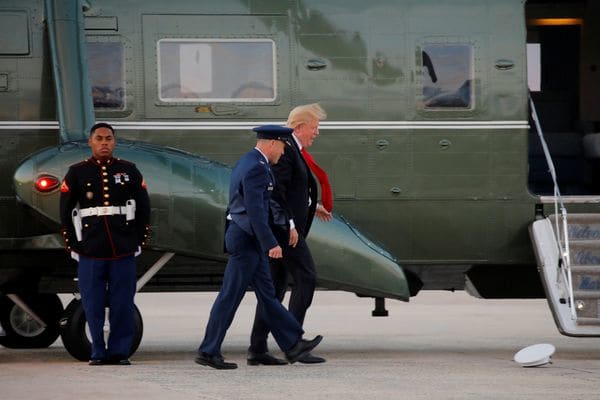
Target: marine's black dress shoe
[
  {"x": 310, "y": 359},
  {"x": 97, "y": 361},
  {"x": 302, "y": 348},
  {"x": 118, "y": 360},
  {"x": 264, "y": 359},
  {"x": 215, "y": 362}
]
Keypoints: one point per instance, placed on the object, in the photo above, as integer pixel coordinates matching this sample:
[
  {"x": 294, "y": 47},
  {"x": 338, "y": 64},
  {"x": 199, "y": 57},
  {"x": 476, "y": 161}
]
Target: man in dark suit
[
  {"x": 294, "y": 205},
  {"x": 249, "y": 242}
]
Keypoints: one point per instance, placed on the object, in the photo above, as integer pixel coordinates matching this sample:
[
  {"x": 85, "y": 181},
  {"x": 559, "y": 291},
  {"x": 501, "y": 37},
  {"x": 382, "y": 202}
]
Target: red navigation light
[{"x": 46, "y": 183}]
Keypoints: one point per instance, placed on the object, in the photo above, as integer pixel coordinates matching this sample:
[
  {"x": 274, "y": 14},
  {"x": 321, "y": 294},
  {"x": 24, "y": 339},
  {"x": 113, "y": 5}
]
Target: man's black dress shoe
[
  {"x": 310, "y": 359},
  {"x": 97, "y": 361},
  {"x": 302, "y": 348},
  {"x": 215, "y": 362},
  {"x": 264, "y": 359}
]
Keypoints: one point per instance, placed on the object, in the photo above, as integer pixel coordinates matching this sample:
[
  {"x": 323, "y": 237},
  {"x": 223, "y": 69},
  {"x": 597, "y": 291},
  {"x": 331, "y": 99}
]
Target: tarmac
[{"x": 441, "y": 345}]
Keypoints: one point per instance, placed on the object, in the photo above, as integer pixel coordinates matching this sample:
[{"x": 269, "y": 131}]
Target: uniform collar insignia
[{"x": 101, "y": 162}]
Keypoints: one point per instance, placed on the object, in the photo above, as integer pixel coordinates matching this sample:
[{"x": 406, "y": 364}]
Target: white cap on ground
[{"x": 535, "y": 355}]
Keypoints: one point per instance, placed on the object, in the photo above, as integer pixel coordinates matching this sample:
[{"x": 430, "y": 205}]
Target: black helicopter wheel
[
  {"x": 21, "y": 331},
  {"x": 75, "y": 332}
]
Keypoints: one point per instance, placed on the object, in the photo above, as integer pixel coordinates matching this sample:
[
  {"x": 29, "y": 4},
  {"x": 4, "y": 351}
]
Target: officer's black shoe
[
  {"x": 264, "y": 359},
  {"x": 215, "y": 362},
  {"x": 302, "y": 348},
  {"x": 310, "y": 359},
  {"x": 97, "y": 361}
]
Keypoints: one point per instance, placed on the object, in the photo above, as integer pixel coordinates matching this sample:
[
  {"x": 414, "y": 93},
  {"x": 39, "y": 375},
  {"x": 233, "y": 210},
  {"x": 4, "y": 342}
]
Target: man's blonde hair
[{"x": 305, "y": 114}]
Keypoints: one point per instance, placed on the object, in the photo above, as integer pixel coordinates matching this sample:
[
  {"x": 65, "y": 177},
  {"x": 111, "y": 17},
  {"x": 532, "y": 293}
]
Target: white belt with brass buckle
[{"x": 100, "y": 211}]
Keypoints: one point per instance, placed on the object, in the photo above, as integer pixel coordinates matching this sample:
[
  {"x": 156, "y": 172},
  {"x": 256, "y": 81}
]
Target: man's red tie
[{"x": 326, "y": 195}]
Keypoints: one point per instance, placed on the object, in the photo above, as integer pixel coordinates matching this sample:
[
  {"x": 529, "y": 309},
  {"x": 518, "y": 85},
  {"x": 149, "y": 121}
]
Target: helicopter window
[
  {"x": 235, "y": 70},
  {"x": 447, "y": 76},
  {"x": 14, "y": 32},
  {"x": 534, "y": 67},
  {"x": 106, "y": 69}
]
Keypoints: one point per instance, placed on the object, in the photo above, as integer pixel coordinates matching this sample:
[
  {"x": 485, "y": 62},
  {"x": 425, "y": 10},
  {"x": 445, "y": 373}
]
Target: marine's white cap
[{"x": 535, "y": 355}]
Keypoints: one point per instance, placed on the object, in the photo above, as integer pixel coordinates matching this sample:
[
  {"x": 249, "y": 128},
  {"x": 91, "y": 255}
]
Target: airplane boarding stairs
[{"x": 571, "y": 276}]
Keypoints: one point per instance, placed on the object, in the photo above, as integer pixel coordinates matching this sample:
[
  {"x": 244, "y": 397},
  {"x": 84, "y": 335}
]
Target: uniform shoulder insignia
[
  {"x": 124, "y": 161},
  {"x": 64, "y": 188}
]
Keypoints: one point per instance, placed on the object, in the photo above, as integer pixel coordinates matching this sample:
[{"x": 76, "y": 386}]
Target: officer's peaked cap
[{"x": 273, "y": 132}]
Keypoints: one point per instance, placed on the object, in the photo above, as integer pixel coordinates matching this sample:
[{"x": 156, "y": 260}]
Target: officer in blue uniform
[
  {"x": 105, "y": 213},
  {"x": 249, "y": 242}
]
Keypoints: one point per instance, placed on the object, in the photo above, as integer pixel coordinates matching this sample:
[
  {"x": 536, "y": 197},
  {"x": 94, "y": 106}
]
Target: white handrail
[{"x": 562, "y": 248}]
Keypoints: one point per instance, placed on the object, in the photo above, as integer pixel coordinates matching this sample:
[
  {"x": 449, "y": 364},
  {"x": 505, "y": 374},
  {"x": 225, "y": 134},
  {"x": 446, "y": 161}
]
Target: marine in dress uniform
[
  {"x": 294, "y": 205},
  {"x": 249, "y": 242},
  {"x": 105, "y": 213}
]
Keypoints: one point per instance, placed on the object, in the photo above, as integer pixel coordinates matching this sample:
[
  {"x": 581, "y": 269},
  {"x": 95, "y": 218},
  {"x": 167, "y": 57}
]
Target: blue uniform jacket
[{"x": 249, "y": 194}]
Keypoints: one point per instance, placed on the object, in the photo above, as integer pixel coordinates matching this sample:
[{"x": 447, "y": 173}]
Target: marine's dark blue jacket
[{"x": 94, "y": 183}]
